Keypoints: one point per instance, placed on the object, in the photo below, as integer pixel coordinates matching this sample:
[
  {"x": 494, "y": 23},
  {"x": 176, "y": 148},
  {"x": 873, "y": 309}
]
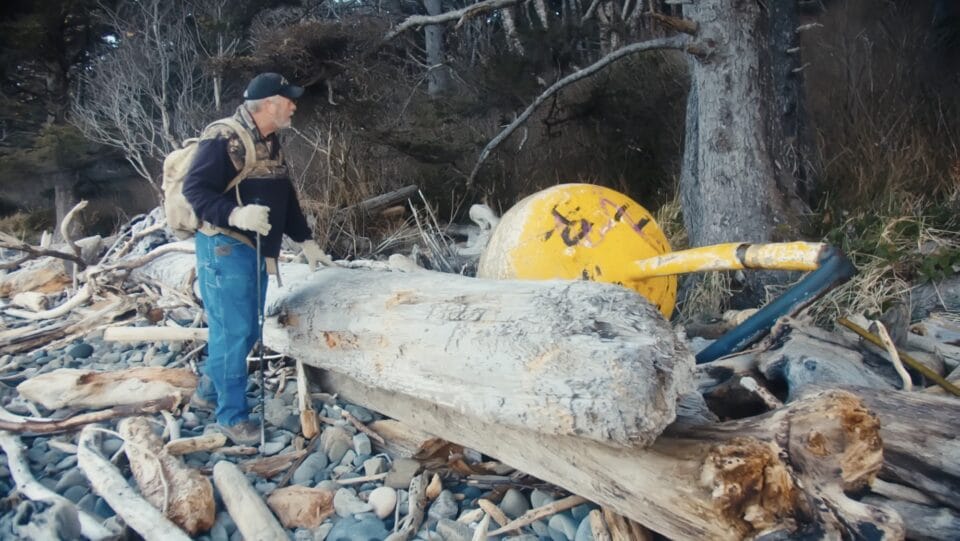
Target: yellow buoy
[{"x": 579, "y": 231}]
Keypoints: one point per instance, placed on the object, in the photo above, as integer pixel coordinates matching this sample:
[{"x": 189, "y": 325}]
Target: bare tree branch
[
  {"x": 147, "y": 89},
  {"x": 459, "y": 15},
  {"x": 673, "y": 42}
]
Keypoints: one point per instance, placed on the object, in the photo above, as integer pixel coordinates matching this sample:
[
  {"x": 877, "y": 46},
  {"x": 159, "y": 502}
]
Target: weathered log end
[{"x": 823, "y": 448}]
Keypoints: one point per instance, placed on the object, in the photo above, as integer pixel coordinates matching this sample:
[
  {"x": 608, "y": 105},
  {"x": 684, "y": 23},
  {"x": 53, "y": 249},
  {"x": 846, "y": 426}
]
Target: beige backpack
[{"x": 180, "y": 216}]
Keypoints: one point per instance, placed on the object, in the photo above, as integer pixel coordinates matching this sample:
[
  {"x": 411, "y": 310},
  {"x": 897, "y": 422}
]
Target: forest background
[{"x": 858, "y": 107}]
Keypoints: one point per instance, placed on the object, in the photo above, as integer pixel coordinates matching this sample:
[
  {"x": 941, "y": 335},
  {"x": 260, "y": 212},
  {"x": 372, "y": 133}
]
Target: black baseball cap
[{"x": 271, "y": 84}]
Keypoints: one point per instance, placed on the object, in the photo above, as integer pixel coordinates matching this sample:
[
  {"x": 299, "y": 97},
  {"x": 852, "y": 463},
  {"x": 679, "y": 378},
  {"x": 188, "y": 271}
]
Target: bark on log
[
  {"x": 561, "y": 358},
  {"x": 764, "y": 474},
  {"x": 90, "y": 389},
  {"x": 110, "y": 485},
  {"x": 252, "y": 517},
  {"x": 183, "y": 494}
]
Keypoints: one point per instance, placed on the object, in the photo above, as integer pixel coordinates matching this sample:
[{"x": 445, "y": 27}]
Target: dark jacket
[{"x": 219, "y": 156}]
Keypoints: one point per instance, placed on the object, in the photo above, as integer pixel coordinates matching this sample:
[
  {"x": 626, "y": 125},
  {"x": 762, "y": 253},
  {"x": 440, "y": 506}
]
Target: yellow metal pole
[
  {"x": 795, "y": 256},
  {"x": 904, "y": 356}
]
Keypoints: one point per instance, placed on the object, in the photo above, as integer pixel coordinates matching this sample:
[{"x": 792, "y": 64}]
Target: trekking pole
[{"x": 263, "y": 411}]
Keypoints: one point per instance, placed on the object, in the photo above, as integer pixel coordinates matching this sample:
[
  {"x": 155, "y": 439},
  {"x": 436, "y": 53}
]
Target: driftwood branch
[
  {"x": 674, "y": 42},
  {"x": 82, "y": 296},
  {"x": 459, "y": 15},
  {"x": 176, "y": 247},
  {"x": 251, "y": 515},
  {"x": 154, "y": 334},
  {"x": 110, "y": 485},
  {"x": 12, "y": 243},
  {"x": 534, "y": 515},
  {"x": 65, "y": 226},
  {"x": 15, "y": 423},
  {"x": 90, "y": 526}
]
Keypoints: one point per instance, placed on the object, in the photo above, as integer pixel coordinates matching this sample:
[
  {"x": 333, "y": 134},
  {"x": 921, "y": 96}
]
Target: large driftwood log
[
  {"x": 779, "y": 472},
  {"x": 91, "y": 389},
  {"x": 183, "y": 494},
  {"x": 561, "y": 358},
  {"x": 920, "y": 444}
]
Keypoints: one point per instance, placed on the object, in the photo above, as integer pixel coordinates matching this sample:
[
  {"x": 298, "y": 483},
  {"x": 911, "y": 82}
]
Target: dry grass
[{"x": 905, "y": 242}]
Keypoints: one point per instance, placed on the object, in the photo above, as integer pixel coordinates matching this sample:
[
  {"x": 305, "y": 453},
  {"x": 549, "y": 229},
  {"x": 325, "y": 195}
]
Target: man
[{"x": 264, "y": 204}]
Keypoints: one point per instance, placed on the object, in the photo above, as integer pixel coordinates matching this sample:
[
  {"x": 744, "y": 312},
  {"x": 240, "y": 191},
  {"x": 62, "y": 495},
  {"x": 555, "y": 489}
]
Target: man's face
[{"x": 282, "y": 109}]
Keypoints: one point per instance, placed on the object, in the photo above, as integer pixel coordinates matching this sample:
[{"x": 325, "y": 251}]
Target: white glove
[
  {"x": 315, "y": 255},
  {"x": 251, "y": 218}
]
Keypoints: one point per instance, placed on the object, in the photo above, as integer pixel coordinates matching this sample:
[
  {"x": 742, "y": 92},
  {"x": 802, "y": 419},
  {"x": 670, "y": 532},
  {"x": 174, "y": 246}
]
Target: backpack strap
[{"x": 250, "y": 150}]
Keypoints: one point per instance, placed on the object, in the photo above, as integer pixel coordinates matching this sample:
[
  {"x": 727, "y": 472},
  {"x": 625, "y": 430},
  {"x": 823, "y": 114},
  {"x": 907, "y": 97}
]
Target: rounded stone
[
  {"x": 80, "y": 351},
  {"x": 383, "y": 500},
  {"x": 514, "y": 503}
]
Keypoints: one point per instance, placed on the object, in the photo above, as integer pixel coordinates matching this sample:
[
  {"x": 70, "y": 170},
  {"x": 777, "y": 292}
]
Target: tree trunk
[
  {"x": 438, "y": 79},
  {"x": 728, "y": 189},
  {"x": 510, "y": 351}
]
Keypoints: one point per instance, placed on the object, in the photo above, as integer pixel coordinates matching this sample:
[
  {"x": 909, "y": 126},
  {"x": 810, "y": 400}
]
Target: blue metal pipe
[{"x": 834, "y": 269}]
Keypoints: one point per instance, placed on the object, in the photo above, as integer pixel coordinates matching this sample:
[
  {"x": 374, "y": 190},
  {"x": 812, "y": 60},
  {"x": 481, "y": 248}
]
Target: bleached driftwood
[
  {"x": 206, "y": 442},
  {"x": 183, "y": 494},
  {"x": 51, "y": 334},
  {"x": 44, "y": 276},
  {"x": 803, "y": 355},
  {"x": 920, "y": 445},
  {"x": 723, "y": 481},
  {"x": 31, "y": 300},
  {"x": 562, "y": 358},
  {"x": 154, "y": 334},
  {"x": 109, "y": 484},
  {"x": 399, "y": 439},
  {"x": 91, "y": 389},
  {"x": 252, "y": 517},
  {"x": 90, "y": 526},
  {"x": 78, "y": 299}
]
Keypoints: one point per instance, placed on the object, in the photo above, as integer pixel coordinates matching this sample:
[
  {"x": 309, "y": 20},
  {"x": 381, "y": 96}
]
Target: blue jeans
[{"x": 227, "y": 273}]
